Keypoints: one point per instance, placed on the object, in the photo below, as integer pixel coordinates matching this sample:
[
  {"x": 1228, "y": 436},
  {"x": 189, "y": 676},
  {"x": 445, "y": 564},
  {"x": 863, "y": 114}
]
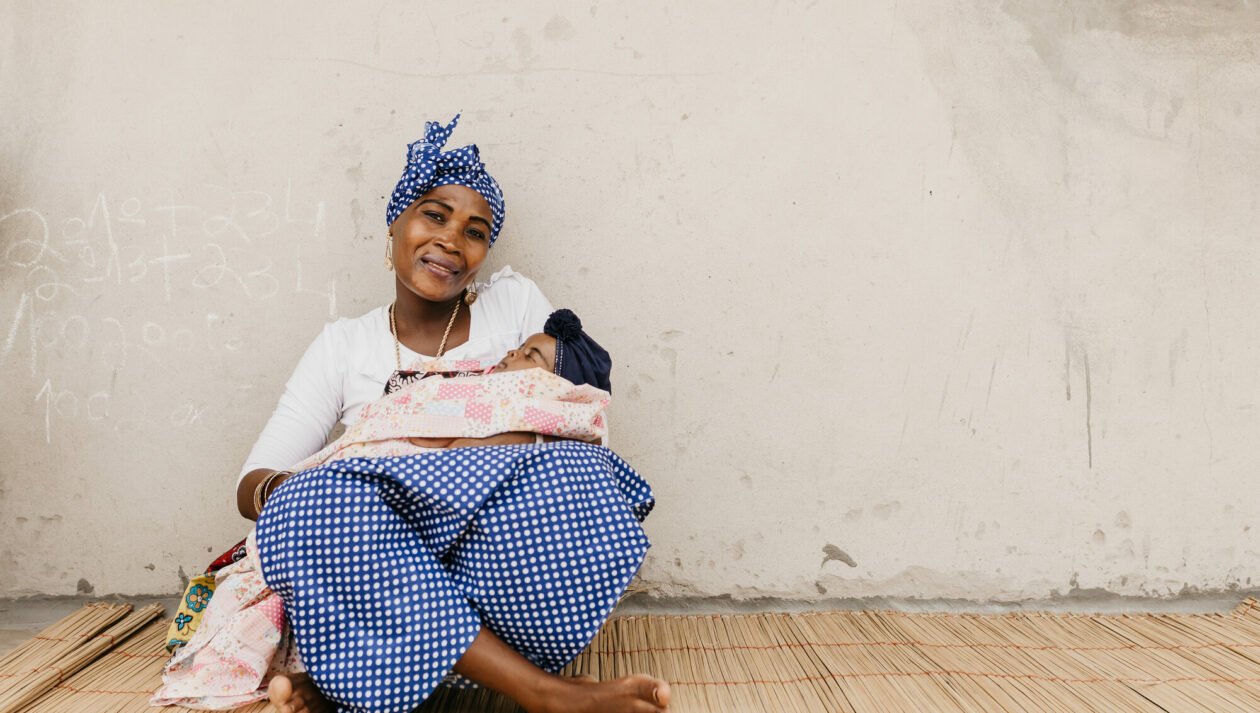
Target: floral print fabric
[
  {"x": 469, "y": 406},
  {"x": 188, "y": 614},
  {"x": 196, "y": 596},
  {"x": 241, "y": 643}
]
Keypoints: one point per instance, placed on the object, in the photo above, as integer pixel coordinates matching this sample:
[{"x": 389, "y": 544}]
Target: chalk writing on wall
[{"x": 72, "y": 282}]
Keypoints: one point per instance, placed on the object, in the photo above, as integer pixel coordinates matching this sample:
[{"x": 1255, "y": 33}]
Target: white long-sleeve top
[{"x": 347, "y": 365}]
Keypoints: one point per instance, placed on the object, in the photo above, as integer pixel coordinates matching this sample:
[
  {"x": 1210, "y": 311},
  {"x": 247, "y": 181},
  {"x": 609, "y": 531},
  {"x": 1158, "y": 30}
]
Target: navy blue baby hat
[{"x": 578, "y": 357}]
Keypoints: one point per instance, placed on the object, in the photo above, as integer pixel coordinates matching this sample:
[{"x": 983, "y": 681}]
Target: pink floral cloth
[
  {"x": 469, "y": 406},
  {"x": 243, "y": 639}
]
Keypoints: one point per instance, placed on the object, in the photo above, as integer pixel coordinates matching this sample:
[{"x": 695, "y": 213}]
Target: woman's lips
[{"x": 439, "y": 267}]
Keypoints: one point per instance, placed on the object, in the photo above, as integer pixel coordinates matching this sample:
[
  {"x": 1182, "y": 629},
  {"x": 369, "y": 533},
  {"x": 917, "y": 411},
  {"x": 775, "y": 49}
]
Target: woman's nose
[
  {"x": 447, "y": 239},
  {"x": 447, "y": 234}
]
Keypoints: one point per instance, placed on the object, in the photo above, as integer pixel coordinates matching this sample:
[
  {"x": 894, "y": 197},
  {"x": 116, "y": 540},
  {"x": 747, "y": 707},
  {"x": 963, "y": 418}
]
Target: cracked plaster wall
[{"x": 927, "y": 299}]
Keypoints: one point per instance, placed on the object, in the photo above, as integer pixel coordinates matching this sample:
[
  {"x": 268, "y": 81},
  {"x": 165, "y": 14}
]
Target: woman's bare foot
[
  {"x": 497, "y": 666},
  {"x": 296, "y": 693},
  {"x": 632, "y": 694}
]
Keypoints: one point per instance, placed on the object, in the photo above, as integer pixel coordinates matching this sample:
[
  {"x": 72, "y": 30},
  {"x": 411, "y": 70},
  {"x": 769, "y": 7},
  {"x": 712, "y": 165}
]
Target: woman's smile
[{"x": 441, "y": 267}]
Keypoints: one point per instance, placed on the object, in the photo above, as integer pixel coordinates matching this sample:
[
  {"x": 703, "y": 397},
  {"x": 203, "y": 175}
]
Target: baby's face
[{"x": 537, "y": 351}]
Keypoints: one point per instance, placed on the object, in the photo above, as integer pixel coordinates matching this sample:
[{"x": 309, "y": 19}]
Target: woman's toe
[
  {"x": 649, "y": 689},
  {"x": 279, "y": 691},
  {"x": 662, "y": 694}
]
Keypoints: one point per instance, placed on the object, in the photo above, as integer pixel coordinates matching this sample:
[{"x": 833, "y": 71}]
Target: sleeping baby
[{"x": 554, "y": 386}]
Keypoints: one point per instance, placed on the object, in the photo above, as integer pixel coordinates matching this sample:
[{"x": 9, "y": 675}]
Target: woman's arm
[{"x": 307, "y": 411}]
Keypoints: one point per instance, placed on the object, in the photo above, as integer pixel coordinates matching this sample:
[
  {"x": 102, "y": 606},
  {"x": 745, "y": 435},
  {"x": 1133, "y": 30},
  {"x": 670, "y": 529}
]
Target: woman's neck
[
  {"x": 421, "y": 323},
  {"x": 417, "y": 311}
]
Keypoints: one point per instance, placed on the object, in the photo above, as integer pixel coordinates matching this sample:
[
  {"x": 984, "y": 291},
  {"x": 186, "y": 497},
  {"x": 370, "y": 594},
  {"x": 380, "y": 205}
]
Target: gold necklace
[{"x": 393, "y": 329}]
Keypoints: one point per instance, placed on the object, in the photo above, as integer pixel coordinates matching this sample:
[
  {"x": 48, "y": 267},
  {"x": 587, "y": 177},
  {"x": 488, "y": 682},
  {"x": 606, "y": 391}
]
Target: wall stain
[
  {"x": 988, "y": 392},
  {"x": 357, "y": 215},
  {"x": 558, "y": 28},
  {"x": 355, "y": 174},
  {"x": 1175, "y": 351},
  {"x": 1089, "y": 415},
  {"x": 835, "y": 553},
  {"x": 1067, "y": 366},
  {"x": 84, "y": 586},
  {"x": 885, "y": 510}
]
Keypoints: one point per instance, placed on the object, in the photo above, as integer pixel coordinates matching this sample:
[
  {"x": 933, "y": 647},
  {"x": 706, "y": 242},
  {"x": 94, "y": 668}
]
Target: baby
[
  {"x": 564, "y": 349},
  {"x": 555, "y": 384}
]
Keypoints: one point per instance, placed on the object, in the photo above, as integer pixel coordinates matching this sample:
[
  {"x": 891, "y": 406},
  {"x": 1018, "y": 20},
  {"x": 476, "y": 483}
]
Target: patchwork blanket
[{"x": 469, "y": 405}]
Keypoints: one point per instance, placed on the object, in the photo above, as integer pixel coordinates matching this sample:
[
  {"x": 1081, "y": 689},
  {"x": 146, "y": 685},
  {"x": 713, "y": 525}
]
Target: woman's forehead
[{"x": 460, "y": 198}]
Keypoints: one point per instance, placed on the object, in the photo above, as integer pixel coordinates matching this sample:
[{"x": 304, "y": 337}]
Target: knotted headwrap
[
  {"x": 429, "y": 167},
  {"x": 578, "y": 358}
]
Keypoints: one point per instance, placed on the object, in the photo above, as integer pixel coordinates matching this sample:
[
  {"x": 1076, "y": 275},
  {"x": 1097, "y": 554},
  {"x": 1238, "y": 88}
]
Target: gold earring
[
  {"x": 470, "y": 294},
  {"x": 389, "y": 253}
]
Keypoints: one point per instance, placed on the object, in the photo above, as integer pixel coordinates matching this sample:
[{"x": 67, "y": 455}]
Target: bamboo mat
[{"x": 849, "y": 661}]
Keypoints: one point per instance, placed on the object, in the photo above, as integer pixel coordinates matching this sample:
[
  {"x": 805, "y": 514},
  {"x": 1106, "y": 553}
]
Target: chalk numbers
[{"x": 97, "y": 290}]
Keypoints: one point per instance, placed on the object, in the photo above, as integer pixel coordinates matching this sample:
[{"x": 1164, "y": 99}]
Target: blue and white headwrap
[{"x": 429, "y": 167}]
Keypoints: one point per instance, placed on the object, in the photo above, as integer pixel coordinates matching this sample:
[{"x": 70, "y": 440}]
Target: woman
[{"x": 444, "y": 216}]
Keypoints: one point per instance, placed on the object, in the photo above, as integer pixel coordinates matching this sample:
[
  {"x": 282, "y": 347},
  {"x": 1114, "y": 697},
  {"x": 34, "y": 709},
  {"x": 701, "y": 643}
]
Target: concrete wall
[{"x": 925, "y": 299}]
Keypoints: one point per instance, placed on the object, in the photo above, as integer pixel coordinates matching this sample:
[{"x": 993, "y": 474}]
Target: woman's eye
[
  {"x": 476, "y": 235},
  {"x": 434, "y": 215}
]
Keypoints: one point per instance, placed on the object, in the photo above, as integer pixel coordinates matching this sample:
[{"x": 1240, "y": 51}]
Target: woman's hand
[
  {"x": 431, "y": 442},
  {"x": 502, "y": 439}
]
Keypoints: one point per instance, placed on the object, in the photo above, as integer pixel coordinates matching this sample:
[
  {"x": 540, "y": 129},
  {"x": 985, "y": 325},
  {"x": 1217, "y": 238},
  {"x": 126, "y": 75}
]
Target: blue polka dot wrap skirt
[{"x": 388, "y": 567}]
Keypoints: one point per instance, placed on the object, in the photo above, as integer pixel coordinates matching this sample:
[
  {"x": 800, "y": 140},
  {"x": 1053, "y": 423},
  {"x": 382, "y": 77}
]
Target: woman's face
[{"x": 440, "y": 241}]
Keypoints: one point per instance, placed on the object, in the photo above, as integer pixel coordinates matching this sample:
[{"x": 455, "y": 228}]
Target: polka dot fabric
[
  {"x": 388, "y": 567},
  {"x": 428, "y": 167}
]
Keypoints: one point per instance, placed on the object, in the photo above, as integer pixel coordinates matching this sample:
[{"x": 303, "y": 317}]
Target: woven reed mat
[{"x": 861, "y": 661}]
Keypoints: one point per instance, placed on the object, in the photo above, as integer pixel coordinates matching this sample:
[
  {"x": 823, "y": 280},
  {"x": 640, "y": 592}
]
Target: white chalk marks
[{"x": 140, "y": 287}]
